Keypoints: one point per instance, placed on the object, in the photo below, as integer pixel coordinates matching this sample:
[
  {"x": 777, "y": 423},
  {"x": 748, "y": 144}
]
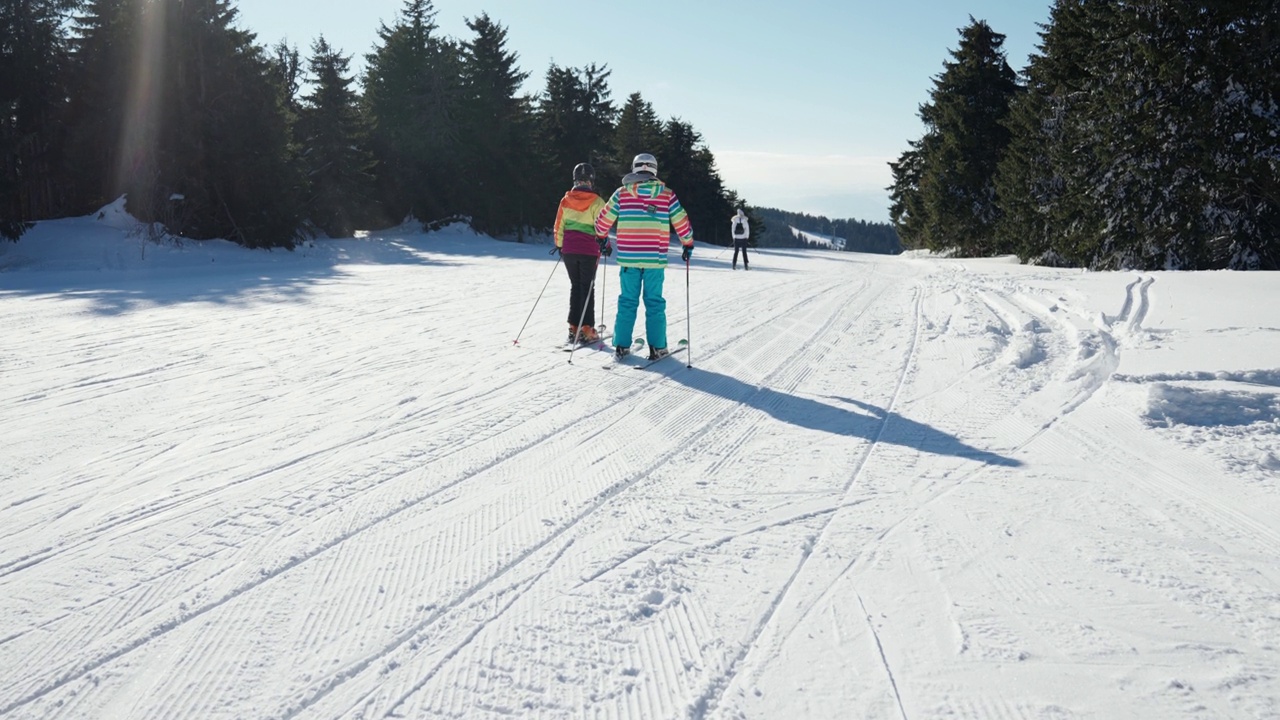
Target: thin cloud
[{"x": 833, "y": 185}]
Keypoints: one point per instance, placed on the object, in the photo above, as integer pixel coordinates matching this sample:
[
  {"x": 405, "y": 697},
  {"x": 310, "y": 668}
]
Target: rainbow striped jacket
[{"x": 646, "y": 213}]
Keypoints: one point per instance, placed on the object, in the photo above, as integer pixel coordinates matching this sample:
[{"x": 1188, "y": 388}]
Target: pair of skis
[
  {"x": 602, "y": 344},
  {"x": 638, "y": 344}
]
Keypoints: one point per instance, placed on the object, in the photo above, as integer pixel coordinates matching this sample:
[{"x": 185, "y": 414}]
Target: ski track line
[
  {"x": 133, "y": 521},
  {"x": 963, "y": 479},
  {"x": 1162, "y": 483},
  {"x": 983, "y": 367},
  {"x": 1131, "y": 317},
  {"x": 163, "y": 628},
  {"x": 744, "y": 532},
  {"x": 715, "y": 422},
  {"x": 884, "y": 660},
  {"x": 333, "y": 682},
  {"x": 136, "y": 517},
  {"x": 714, "y": 693},
  {"x": 603, "y": 498},
  {"x": 791, "y": 363},
  {"x": 782, "y": 365},
  {"x": 620, "y": 487}
]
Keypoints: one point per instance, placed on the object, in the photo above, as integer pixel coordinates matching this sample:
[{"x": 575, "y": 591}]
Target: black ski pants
[
  {"x": 582, "y": 271},
  {"x": 740, "y": 245}
]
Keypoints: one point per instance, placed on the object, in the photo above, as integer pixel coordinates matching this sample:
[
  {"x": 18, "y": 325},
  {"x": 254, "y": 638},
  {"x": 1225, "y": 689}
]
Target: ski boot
[{"x": 657, "y": 353}]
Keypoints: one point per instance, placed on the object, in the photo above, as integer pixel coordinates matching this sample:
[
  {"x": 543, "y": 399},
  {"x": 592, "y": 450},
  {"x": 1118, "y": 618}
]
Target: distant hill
[{"x": 789, "y": 229}]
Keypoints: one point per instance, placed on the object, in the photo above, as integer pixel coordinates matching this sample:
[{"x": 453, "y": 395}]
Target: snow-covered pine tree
[
  {"x": 412, "y": 86},
  {"x": 639, "y": 130},
  {"x": 575, "y": 120},
  {"x": 334, "y": 139},
  {"x": 33, "y": 92},
  {"x": 1186, "y": 132},
  {"x": 1043, "y": 180},
  {"x": 497, "y": 130},
  {"x": 955, "y": 163}
]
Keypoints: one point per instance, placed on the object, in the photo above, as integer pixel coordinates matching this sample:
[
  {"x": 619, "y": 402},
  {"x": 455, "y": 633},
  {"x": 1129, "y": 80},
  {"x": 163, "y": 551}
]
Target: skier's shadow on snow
[{"x": 864, "y": 420}]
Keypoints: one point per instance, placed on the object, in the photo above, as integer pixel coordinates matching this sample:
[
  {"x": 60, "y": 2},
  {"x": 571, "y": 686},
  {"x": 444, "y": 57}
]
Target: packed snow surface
[{"x": 327, "y": 484}]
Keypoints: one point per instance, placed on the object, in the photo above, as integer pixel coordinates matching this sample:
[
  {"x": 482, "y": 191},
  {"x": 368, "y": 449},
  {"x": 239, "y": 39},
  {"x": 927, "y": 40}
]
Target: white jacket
[{"x": 741, "y": 227}]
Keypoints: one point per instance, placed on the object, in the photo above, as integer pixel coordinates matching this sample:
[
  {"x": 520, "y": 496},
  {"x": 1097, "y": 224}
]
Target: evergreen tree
[
  {"x": 957, "y": 159},
  {"x": 859, "y": 235},
  {"x": 638, "y": 131},
  {"x": 907, "y": 209},
  {"x": 334, "y": 139},
  {"x": 1242, "y": 169},
  {"x": 103, "y": 49},
  {"x": 412, "y": 89},
  {"x": 209, "y": 153},
  {"x": 497, "y": 132},
  {"x": 1187, "y": 125},
  {"x": 969, "y": 103},
  {"x": 33, "y": 62},
  {"x": 688, "y": 166},
  {"x": 1146, "y": 138},
  {"x": 1051, "y": 166},
  {"x": 575, "y": 124},
  {"x": 286, "y": 67}
]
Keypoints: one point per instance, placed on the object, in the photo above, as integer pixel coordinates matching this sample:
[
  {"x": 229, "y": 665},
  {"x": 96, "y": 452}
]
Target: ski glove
[
  {"x": 554, "y": 250},
  {"x": 605, "y": 249},
  {"x": 687, "y": 253}
]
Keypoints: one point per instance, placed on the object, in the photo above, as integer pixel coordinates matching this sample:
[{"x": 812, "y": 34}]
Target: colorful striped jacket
[
  {"x": 646, "y": 212},
  {"x": 576, "y": 221}
]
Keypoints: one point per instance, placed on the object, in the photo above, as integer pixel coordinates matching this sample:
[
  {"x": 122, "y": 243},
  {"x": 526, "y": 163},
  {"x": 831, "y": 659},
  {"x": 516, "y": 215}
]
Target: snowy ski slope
[{"x": 326, "y": 484}]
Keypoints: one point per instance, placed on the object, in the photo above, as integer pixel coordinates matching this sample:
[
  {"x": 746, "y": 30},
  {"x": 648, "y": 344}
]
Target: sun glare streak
[{"x": 141, "y": 129}]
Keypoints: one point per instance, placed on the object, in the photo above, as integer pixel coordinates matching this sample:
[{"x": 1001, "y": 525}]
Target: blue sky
[{"x": 803, "y": 102}]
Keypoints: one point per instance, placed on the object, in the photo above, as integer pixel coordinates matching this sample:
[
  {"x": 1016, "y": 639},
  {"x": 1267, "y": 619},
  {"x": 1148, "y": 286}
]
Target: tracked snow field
[{"x": 327, "y": 484}]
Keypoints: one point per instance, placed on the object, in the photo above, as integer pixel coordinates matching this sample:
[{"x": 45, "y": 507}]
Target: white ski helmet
[{"x": 644, "y": 162}]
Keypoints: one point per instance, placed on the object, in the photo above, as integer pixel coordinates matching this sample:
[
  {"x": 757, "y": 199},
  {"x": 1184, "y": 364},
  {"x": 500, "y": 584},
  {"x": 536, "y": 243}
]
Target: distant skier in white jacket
[{"x": 741, "y": 233}]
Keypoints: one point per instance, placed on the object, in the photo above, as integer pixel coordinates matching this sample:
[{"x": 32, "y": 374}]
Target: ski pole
[
  {"x": 688, "y": 318},
  {"x": 535, "y": 302},
  {"x": 578, "y": 333},
  {"x": 604, "y": 296}
]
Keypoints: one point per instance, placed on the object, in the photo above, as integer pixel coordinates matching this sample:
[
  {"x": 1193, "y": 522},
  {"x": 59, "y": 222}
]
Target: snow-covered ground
[{"x": 326, "y": 484}]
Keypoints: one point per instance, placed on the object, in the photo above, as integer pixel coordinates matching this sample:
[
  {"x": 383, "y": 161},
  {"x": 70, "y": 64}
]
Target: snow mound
[
  {"x": 1201, "y": 407},
  {"x": 114, "y": 215},
  {"x": 1254, "y": 377}
]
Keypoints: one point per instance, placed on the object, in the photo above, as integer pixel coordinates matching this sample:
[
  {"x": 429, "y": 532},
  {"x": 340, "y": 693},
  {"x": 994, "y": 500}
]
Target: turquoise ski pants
[{"x": 638, "y": 282}]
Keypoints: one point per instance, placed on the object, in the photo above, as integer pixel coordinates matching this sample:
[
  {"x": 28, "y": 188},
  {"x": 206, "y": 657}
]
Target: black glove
[
  {"x": 555, "y": 250},
  {"x": 686, "y": 253},
  {"x": 605, "y": 249}
]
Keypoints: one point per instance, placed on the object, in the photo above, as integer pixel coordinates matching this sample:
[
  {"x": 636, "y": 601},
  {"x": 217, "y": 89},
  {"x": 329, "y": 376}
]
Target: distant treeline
[
  {"x": 177, "y": 107},
  {"x": 1141, "y": 135},
  {"x": 859, "y": 235}
]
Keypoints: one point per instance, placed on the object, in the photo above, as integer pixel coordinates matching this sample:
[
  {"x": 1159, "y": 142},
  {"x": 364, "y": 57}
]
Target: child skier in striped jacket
[{"x": 646, "y": 211}]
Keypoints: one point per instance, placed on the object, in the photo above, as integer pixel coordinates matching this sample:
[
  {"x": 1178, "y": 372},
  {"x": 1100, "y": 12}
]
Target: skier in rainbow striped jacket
[{"x": 646, "y": 212}]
